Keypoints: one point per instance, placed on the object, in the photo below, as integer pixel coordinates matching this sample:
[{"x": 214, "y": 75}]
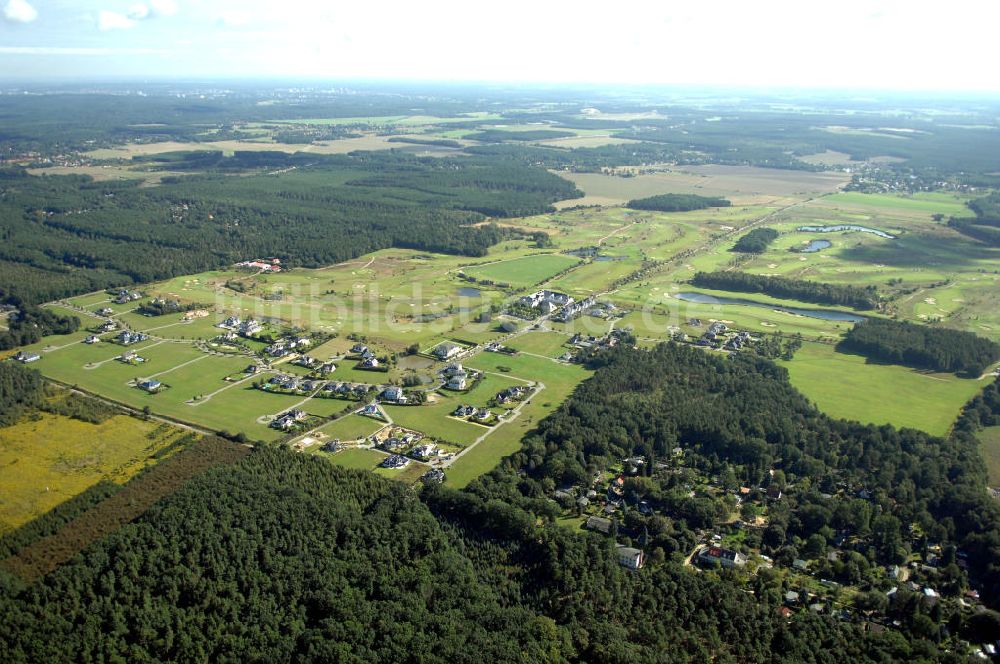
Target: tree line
[
  {"x": 29, "y": 324},
  {"x": 862, "y": 298},
  {"x": 921, "y": 346}
]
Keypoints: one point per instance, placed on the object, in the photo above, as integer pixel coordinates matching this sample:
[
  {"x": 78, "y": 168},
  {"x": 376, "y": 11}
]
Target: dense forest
[
  {"x": 29, "y": 324},
  {"x": 286, "y": 557},
  {"x": 921, "y": 346},
  {"x": 676, "y": 203},
  {"x": 739, "y": 418},
  {"x": 20, "y": 389},
  {"x": 784, "y": 287},
  {"x": 756, "y": 241},
  {"x": 65, "y": 235}
]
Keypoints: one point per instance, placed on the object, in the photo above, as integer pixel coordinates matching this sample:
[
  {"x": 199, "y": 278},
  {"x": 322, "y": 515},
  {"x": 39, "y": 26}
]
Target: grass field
[
  {"x": 549, "y": 344},
  {"x": 350, "y": 427},
  {"x": 526, "y": 271},
  {"x": 989, "y": 447},
  {"x": 47, "y": 459},
  {"x": 845, "y": 386}
]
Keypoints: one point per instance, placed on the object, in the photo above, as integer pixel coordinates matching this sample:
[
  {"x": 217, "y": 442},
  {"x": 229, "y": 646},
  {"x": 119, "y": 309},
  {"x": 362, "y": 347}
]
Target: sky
[{"x": 859, "y": 44}]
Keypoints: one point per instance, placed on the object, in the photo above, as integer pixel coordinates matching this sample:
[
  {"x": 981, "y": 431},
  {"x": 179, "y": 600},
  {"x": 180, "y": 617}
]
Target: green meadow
[{"x": 845, "y": 386}]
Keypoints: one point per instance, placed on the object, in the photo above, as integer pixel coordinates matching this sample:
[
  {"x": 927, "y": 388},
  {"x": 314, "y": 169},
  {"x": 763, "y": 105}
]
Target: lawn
[
  {"x": 846, "y": 386},
  {"x": 434, "y": 421},
  {"x": 355, "y": 458},
  {"x": 350, "y": 427},
  {"x": 549, "y": 344},
  {"x": 48, "y": 459},
  {"x": 989, "y": 447},
  {"x": 524, "y": 271}
]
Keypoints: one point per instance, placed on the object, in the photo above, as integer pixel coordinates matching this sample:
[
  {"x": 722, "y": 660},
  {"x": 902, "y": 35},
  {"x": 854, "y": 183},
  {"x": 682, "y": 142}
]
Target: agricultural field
[
  {"x": 844, "y": 385},
  {"x": 47, "y": 459}
]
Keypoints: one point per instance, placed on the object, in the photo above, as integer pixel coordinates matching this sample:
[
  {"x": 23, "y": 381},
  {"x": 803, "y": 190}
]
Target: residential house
[
  {"x": 598, "y": 524},
  {"x": 446, "y": 351},
  {"x": 108, "y": 326},
  {"x": 149, "y": 385},
  {"x": 425, "y": 451},
  {"x": 327, "y": 368},
  {"x": 126, "y": 337},
  {"x": 105, "y": 311},
  {"x": 392, "y": 393},
  {"x": 25, "y": 358},
  {"x": 433, "y": 476},
  {"x": 251, "y": 369},
  {"x": 369, "y": 363},
  {"x": 250, "y": 327},
  {"x": 464, "y": 411},
  {"x": 359, "y": 349},
  {"x": 629, "y": 557},
  {"x": 724, "y": 557},
  {"x": 233, "y": 322},
  {"x": 395, "y": 461},
  {"x": 92, "y": 339},
  {"x": 457, "y": 382},
  {"x": 371, "y": 410}
]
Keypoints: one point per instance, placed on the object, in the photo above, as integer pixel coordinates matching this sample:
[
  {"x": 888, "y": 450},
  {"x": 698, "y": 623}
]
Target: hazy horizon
[{"x": 881, "y": 46}]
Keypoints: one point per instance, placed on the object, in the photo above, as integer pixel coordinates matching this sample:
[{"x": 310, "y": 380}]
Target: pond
[
  {"x": 603, "y": 258},
  {"x": 468, "y": 291},
  {"x": 816, "y": 245},
  {"x": 845, "y": 227},
  {"x": 823, "y": 314}
]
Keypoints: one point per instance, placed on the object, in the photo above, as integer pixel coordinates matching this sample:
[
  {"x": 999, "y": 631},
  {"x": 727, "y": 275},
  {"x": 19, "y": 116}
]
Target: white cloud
[
  {"x": 107, "y": 20},
  {"x": 163, "y": 7},
  {"x": 138, "y": 11},
  {"x": 19, "y": 11}
]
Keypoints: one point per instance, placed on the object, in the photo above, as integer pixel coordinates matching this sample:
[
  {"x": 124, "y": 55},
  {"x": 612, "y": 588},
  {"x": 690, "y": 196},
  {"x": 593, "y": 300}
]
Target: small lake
[
  {"x": 468, "y": 291},
  {"x": 845, "y": 227},
  {"x": 602, "y": 258},
  {"x": 816, "y": 245},
  {"x": 822, "y": 314}
]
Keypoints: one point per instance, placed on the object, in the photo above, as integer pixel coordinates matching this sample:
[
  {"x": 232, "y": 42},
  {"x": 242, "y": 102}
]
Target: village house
[
  {"x": 446, "y": 351},
  {"x": 250, "y": 327},
  {"x": 251, "y": 369},
  {"x": 457, "y": 381},
  {"x": 288, "y": 420},
  {"x": 359, "y": 349},
  {"x": 306, "y": 361},
  {"x": 598, "y": 524},
  {"x": 464, "y": 411},
  {"x": 425, "y": 451},
  {"x": 369, "y": 363},
  {"x": 150, "y": 385},
  {"x": 371, "y": 410},
  {"x": 126, "y": 337},
  {"x": 392, "y": 394},
  {"x": 629, "y": 557},
  {"x": 395, "y": 461},
  {"x": 108, "y": 326},
  {"x": 105, "y": 311},
  {"x": 327, "y": 368},
  {"x": 725, "y": 557},
  {"x": 433, "y": 476},
  {"x": 25, "y": 358},
  {"x": 232, "y": 323},
  {"x": 92, "y": 339}
]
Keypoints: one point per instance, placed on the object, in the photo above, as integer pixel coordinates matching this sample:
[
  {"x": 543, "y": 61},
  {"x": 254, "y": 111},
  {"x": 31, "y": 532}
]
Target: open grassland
[
  {"x": 989, "y": 447},
  {"x": 843, "y": 385},
  {"x": 523, "y": 272},
  {"x": 47, "y": 459},
  {"x": 738, "y": 183}
]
